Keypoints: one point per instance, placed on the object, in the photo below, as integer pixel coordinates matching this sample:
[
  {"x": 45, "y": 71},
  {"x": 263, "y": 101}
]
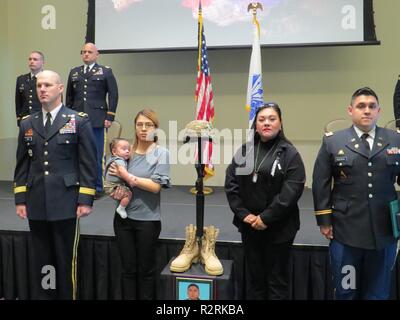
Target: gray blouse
[{"x": 154, "y": 165}]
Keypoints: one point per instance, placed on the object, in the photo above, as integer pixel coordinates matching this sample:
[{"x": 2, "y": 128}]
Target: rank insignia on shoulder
[
  {"x": 328, "y": 134},
  {"x": 82, "y": 114},
  {"x": 107, "y": 67},
  {"x": 23, "y": 118}
]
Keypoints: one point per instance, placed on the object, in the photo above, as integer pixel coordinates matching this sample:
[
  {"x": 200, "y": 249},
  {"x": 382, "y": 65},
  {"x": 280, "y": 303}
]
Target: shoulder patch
[
  {"x": 329, "y": 134},
  {"x": 82, "y": 114}
]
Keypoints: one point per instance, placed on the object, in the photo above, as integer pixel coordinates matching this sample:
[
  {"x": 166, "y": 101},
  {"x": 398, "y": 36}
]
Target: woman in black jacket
[{"x": 264, "y": 202}]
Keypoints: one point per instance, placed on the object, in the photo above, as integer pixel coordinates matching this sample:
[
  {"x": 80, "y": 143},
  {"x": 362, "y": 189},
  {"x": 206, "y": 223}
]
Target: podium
[{"x": 174, "y": 285}]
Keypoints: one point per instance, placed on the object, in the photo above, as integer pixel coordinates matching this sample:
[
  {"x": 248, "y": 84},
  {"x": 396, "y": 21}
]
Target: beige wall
[
  {"x": 312, "y": 85},
  {"x": 5, "y": 86}
]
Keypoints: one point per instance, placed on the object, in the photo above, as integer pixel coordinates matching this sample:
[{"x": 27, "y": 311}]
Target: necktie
[
  {"x": 47, "y": 126},
  {"x": 364, "y": 140},
  {"x": 86, "y": 69}
]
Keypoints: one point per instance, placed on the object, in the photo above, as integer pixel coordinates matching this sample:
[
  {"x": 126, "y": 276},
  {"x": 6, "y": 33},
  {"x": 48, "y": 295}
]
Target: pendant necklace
[{"x": 255, "y": 173}]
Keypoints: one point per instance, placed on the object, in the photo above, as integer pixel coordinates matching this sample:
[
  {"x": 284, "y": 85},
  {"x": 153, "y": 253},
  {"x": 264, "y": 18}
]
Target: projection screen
[{"x": 148, "y": 25}]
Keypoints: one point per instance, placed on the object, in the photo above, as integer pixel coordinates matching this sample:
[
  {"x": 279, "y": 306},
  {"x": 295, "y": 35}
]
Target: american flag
[{"x": 204, "y": 93}]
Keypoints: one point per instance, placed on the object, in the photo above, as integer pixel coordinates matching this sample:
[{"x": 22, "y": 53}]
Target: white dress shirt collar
[
  {"x": 90, "y": 66},
  {"x": 370, "y": 133},
  {"x": 54, "y": 113}
]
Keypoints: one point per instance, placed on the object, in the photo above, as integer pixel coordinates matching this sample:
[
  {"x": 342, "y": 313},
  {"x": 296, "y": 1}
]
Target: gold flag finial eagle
[{"x": 254, "y": 6}]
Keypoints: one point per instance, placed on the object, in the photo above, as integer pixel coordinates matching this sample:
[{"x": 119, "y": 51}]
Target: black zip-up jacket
[{"x": 280, "y": 184}]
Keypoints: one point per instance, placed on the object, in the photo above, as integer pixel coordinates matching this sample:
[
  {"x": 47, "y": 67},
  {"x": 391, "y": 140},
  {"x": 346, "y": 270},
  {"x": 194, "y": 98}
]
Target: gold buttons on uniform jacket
[
  {"x": 369, "y": 185},
  {"x": 46, "y": 173},
  {"x": 370, "y": 196},
  {"x": 46, "y": 163},
  {"x": 369, "y": 164},
  {"x": 46, "y": 153},
  {"x": 369, "y": 174},
  {"x": 46, "y": 143}
]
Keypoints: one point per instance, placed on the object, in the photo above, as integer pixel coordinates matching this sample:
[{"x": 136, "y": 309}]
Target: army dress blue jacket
[
  {"x": 57, "y": 171},
  {"x": 26, "y": 99},
  {"x": 396, "y": 103},
  {"x": 356, "y": 204},
  {"x": 88, "y": 93}
]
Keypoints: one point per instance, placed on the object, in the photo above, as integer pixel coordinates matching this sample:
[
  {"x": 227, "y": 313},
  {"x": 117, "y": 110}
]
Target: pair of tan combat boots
[{"x": 192, "y": 253}]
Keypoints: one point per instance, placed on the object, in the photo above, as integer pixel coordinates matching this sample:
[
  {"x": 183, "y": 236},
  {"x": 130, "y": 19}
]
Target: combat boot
[
  {"x": 208, "y": 257},
  {"x": 189, "y": 254}
]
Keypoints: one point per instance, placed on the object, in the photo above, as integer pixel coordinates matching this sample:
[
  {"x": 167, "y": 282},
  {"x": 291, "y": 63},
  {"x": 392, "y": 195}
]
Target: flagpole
[
  {"x": 255, "y": 92},
  {"x": 205, "y": 190}
]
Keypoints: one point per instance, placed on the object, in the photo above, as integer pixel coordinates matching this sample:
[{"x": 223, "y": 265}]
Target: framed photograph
[{"x": 194, "y": 289}]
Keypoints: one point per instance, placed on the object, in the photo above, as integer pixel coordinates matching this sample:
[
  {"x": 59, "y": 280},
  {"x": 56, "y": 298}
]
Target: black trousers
[
  {"x": 266, "y": 265},
  {"x": 54, "y": 245},
  {"x": 137, "y": 244}
]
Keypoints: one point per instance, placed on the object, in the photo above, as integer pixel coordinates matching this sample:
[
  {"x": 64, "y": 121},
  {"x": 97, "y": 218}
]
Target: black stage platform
[
  {"x": 99, "y": 264},
  {"x": 178, "y": 209}
]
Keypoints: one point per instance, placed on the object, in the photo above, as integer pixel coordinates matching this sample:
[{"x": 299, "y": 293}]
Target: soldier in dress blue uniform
[
  {"x": 54, "y": 185},
  {"x": 26, "y": 99},
  {"x": 87, "y": 90},
  {"x": 396, "y": 103},
  {"x": 354, "y": 212}
]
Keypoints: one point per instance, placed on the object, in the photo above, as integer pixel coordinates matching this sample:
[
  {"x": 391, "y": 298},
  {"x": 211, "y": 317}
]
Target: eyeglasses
[{"x": 147, "y": 125}]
